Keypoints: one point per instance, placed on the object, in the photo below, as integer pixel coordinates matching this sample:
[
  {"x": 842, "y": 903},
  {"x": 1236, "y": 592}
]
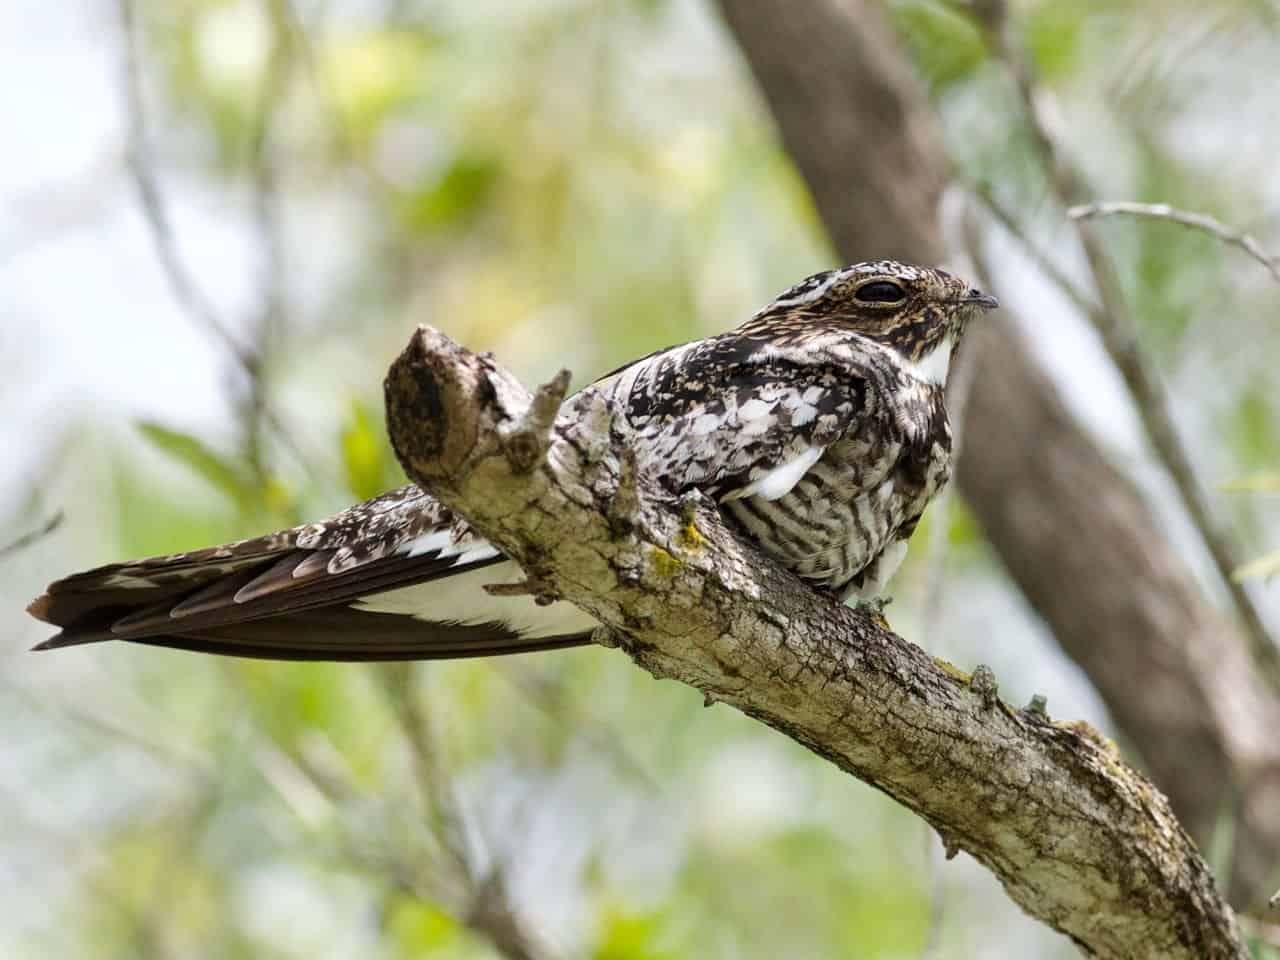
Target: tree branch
[
  {"x": 32, "y": 537},
  {"x": 1077, "y": 838},
  {"x": 1186, "y": 218}
]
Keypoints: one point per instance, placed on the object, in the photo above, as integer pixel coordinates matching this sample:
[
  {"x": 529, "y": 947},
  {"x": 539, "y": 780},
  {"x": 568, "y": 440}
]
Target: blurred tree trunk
[{"x": 1073, "y": 531}]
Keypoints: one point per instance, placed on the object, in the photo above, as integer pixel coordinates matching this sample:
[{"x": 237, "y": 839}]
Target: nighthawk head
[{"x": 920, "y": 312}]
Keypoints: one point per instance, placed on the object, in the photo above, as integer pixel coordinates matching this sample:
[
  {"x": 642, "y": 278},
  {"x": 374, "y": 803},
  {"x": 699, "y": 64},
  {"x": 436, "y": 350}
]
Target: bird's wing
[
  {"x": 738, "y": 418},
  {"x": 358, "y": 586}
]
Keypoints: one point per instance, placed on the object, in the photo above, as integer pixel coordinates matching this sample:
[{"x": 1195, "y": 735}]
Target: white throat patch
[{"x": 935, "y": 364}]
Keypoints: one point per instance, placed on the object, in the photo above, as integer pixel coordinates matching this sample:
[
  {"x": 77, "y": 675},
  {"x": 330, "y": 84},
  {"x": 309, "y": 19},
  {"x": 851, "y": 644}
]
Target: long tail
[{"x": 394, "y": 578}]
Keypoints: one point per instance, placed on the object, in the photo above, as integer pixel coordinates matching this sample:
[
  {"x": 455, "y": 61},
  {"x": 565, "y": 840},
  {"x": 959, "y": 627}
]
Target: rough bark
[
  {"x": 1073, "y": 531},
  {"x": 1077, "y": 837}
]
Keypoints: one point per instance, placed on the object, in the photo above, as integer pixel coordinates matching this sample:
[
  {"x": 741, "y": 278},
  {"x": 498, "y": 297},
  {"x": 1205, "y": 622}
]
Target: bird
[{"x": 818, "y": 426}]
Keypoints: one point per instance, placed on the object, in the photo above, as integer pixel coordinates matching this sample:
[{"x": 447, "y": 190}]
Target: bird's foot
[{"x": 874, "y": 608}]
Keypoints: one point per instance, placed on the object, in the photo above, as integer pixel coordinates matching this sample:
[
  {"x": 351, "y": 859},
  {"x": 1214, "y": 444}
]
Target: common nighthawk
[{"x": 818, "y": 425}]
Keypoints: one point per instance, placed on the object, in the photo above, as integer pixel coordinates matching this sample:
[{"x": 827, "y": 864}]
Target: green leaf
[
  {"x": 419, "y": 928},
  {"x": 631, "y": 936},
  {"x": 365, "y": 458},
  {"x": 455, "y": 198},
  {"x": 945, "y": 46},
  {"x": 192, "y": 452},
  {"x": 373, "y": 75},
  {"x": 1252, "y": 430},
  {"x": 1053, "y": 34}
]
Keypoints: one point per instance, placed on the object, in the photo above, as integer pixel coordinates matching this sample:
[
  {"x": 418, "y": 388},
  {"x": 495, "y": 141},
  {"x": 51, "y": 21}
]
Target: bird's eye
[{"x": 880, "y": 291}]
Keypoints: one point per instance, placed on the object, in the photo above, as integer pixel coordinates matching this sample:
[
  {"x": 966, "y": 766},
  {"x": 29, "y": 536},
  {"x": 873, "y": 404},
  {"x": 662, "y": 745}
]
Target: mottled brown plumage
[{"x": 819, "y": 425}]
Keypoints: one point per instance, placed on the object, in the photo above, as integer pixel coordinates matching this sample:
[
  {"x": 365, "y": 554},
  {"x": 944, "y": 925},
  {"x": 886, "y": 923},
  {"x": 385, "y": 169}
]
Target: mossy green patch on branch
[
  {"x": 663, "y": 563},
  {"x": 950, "y": 668},
  {"x": 690, "y": 538}
]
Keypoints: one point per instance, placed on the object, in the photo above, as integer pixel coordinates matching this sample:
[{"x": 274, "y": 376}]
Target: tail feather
[{"x": 315, "y": 593}]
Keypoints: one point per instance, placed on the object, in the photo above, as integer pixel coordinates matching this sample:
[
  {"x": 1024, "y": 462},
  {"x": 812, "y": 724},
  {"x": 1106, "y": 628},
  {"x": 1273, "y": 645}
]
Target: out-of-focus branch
[
  {"x": 1186, "y": 218},
  {"x": 317, "y": 783},
  {"x": 1119, "y": 333},
  {"x": 483, "y": 899},
  {"x": 32, "y": 537},
  {"x": 155, "y": 211},
  {"x": 1073, "y": 531},
  {"x": 434, "y": 783},
  {"x": 272, "y": 314},
  {"x": 154, "y": 208}
]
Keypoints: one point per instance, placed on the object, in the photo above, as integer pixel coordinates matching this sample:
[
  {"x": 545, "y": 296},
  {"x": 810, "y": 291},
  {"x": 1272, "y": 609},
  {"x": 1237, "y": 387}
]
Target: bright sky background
[{"x": 86, "y": 317}]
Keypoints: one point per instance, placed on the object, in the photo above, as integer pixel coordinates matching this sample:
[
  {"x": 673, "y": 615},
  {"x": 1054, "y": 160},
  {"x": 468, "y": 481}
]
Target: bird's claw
[{"x": 874, "y": 608}]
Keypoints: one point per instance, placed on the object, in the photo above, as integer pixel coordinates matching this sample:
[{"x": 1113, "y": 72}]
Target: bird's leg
[{"x": 873, "y": 607}]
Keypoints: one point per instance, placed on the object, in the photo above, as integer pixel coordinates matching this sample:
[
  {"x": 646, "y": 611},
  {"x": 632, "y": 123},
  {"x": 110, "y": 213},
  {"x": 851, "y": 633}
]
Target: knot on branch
[
  {"x": 448, "y": 408},
  {"x": 526, "y": 439},
  {"x": 624, "y": 505},
  {"x": 983, "y": 682},
  {"x": 950, "y": 845}
]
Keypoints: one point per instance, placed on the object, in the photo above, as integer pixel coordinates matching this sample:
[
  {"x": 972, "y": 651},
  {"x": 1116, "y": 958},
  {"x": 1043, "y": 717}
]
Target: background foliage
[{"x": 567, "y": 184}]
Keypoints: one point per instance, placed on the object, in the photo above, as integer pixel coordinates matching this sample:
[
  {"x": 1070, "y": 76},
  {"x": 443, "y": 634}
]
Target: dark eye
[{"x": 880, "y": 291}]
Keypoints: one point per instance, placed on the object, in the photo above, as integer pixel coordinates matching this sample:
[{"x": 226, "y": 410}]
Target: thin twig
[
  {"x": 488, "y": 908},
  {"x": 434, "y": 784},
  {"x": 1186, "y": 218},
  {"x": 34, "y": 536},
  {"x": 273, "y": 310},
  {"x": 1119, "y": 334},
  {"x": 154, "y": 208},
  {"x": 156, "y": 214}
]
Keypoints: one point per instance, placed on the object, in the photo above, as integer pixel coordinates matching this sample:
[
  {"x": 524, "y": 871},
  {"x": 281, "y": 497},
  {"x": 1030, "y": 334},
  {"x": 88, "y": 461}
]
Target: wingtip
[
  {"x": 42, "y": 609},
  {"x": 60, "y": 640}
]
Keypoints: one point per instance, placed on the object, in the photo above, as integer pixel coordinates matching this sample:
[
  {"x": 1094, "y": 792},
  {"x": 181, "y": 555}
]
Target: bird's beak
[{"x": 976, "y": 298}]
